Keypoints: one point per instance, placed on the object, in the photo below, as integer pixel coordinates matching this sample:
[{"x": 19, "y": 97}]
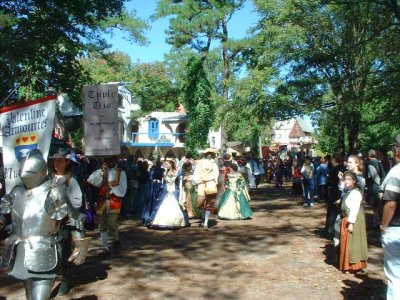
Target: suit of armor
[{"x": 37, "y": 211}]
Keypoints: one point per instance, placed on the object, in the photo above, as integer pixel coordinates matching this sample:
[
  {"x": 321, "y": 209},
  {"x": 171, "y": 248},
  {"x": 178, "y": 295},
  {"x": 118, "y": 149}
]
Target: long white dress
[{"x": 167, "y": 213}]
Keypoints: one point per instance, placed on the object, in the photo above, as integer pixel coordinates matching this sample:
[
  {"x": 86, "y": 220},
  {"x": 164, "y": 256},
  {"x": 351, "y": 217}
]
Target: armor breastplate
[
  {"x": 36, "y": 216},
  {"x": 29, "y": 216}
]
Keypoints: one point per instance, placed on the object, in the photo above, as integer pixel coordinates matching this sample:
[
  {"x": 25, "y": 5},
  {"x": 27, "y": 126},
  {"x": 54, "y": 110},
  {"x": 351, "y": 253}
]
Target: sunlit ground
[{"x": 278, "y": 254}]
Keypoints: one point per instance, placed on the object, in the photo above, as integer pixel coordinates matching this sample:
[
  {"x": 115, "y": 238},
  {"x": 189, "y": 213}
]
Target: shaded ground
[{"x": 279, "y": 254}]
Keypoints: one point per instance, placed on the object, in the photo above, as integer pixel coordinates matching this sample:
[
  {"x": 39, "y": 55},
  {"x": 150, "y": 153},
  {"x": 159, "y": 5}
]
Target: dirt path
[{"x": 279, "y": 254}]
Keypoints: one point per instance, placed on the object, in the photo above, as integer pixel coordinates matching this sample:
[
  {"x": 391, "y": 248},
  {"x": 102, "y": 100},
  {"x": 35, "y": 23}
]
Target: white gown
[{"x": 168, "y": 213}]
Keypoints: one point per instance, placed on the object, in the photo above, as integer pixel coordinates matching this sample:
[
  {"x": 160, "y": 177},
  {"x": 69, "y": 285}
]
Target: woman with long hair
[
  {"x": 352, "y": 164},
  {"x": 353, "y": 234},
  {"x": 234, "y": 204},
  {"x": 168, "y": 212},
  {"x": 355, "y": 165}
]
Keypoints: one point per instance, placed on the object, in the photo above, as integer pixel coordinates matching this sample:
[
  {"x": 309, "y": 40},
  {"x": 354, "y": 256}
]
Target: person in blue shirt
[
  {"x": 322, "y": 179},
  {"x": 307, "y": 170}
]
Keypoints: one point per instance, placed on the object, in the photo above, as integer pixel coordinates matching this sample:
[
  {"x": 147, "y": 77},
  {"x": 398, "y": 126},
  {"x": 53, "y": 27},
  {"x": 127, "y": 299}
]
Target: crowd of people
[
  {"x": 170, "y": 193},
  {"x": 167, "y": 194},
  {"x": 346, "y": 184}
]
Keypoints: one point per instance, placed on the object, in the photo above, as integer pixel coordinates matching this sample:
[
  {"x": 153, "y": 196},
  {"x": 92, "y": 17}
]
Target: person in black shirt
[{"x": 334, "y": 194}]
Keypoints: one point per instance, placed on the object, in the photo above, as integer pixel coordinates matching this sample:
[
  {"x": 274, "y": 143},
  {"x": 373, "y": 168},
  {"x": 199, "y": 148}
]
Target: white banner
[
  {"x": 25, "y": 127},
  {"x": 101, "y": 119}
]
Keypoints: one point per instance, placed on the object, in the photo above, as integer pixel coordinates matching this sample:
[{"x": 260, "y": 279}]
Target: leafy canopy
[{"x": 40, "y": 42}]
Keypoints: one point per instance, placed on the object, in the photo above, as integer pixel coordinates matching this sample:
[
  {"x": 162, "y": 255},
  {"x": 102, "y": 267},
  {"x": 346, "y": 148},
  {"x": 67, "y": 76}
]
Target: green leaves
[
  {"x": 331, "y": 53},
  {"x": 41, "y": 41},
  {"x": 150, "y": 83},
  {"x": 197, "y": 92}
]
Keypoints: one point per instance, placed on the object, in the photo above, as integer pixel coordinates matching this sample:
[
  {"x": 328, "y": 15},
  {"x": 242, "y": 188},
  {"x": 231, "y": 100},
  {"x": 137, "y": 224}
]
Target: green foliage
[
  {"x": 77, "y": 138},
  {"x": 153, "y": 87},
  {"x": 150, "y": 83},
  {"x": 107, "y": 67},
  {"x": 332, "y": 54},
  {"x": 41, "y": 40},
  {"x": 198, "y": 24},
  {"x": 197, "y": 91}
]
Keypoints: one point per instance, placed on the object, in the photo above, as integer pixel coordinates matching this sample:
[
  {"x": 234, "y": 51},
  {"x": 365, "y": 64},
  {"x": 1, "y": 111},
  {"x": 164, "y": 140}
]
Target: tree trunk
[
  {"x": 28, "y": 85},
  {"x": 341, "y": 146},
  {"x": 341, "y": 125},
  {"x": 354, "y": 133},
  {"x": 225, "y": 57}
]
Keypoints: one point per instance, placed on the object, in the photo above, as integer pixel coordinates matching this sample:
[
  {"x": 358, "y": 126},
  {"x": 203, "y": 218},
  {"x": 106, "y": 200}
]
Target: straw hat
[{"x": 210, "y": 150}]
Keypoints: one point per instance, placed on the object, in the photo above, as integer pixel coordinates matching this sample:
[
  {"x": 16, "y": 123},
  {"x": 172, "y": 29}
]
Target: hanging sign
[
  {"x": 101, "y": 119},
  {"x": 25, "y": 127}
]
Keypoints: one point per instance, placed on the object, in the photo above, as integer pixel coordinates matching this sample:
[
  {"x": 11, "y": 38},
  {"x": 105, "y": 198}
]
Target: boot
[
  {"x": 64, "y": 287},
  {"x": 104, "y": 241}
]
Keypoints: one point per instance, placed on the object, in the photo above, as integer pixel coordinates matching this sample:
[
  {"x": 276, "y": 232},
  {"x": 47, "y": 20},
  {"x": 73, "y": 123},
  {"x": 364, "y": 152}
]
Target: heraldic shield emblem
[{"x": 23, "y": 144}]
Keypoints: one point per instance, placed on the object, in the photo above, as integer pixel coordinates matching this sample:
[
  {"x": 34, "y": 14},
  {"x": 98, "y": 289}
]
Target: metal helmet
[{"x": 34, "y": 169}]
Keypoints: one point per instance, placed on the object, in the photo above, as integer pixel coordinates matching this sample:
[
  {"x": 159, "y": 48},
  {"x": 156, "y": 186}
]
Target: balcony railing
[{"x": 162, "y": 138}]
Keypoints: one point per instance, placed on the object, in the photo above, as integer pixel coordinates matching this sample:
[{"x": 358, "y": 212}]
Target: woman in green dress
[
  {"x": 234, "y": 204},
  {"x": 353, "y": 234}
]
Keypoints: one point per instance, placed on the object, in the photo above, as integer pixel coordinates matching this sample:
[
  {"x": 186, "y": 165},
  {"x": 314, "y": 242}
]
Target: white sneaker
[
  {"x": 311, "y": 204},
  {"x": 305, "y": 205}
]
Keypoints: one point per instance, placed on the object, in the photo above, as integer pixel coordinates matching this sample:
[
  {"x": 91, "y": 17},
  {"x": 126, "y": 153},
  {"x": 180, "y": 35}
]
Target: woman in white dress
[{"x": 167, "y": 212}]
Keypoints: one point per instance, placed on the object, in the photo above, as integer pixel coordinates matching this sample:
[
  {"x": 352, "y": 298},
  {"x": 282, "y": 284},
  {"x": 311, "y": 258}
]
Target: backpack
[{"x": 379, "y": 169}]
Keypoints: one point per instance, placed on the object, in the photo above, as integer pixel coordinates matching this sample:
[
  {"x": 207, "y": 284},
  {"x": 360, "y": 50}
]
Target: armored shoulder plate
[
  {"x": 7, "y": 201},
  {"x": 56, "y": 204}
]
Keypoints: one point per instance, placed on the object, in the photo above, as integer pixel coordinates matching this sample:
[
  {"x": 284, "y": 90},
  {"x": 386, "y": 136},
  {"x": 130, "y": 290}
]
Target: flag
[{"x": 25, "y": 127}]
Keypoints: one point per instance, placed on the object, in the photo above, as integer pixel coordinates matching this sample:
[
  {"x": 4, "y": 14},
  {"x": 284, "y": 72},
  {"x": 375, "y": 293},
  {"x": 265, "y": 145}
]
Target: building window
[
  {"x": 120, "y": 100},
  {"x": 212, "y": 142},
  {"x": 153, "y": 129}
]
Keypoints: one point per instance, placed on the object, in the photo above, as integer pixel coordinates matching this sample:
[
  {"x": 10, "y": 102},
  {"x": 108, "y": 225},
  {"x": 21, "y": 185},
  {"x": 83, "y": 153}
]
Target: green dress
[
  {"x": 357, "y": 241},
  {"x": 197, "y": 212},
  {"x": 234, "y": 204}
]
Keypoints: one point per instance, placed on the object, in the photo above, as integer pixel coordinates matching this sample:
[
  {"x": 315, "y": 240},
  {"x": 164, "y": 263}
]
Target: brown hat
[{"x": 227, "y": 157}]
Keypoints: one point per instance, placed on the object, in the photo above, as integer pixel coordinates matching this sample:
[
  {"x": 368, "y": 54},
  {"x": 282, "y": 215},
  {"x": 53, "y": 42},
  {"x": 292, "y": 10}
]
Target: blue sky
[{"x": 238, "y": 25}]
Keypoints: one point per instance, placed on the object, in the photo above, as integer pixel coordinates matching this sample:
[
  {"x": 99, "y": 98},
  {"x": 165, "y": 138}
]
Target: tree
[
  {"x": 103, "y": 67},
  {"x": 41, "y": 41},
  {"x": 197, "y": 92},
  {"x": 197, "y": 23},
  {"x": 153, "y": 86},
  {"x": 333, "y": 59},
  {"x": 150, "y": 83}
]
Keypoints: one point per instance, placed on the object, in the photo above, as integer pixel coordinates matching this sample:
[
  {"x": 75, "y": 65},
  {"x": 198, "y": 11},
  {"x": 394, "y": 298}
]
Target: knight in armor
[
  {"x": 37, "y": 210},
  {"x": 112, "y": 183}
]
